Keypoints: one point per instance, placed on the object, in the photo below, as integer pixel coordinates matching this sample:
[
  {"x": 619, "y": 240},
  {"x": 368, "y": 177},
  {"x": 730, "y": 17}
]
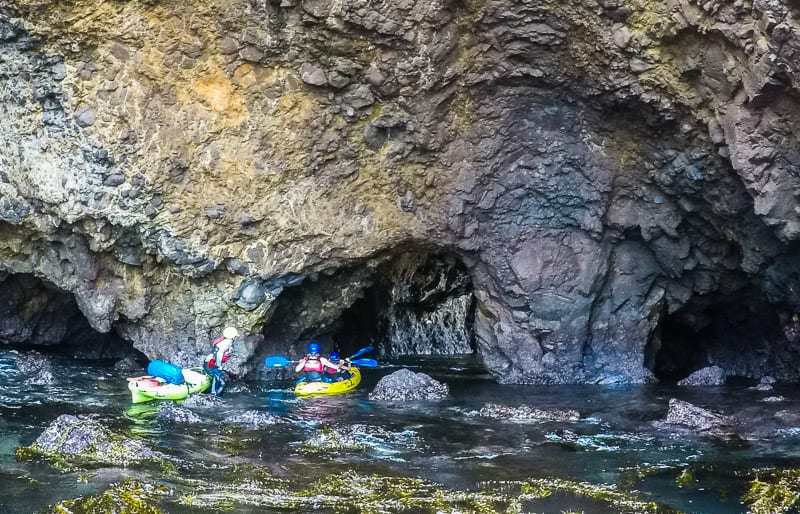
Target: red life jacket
[
  {"x": 332, "y": 371},
  {"x": 313, "y": 364}
]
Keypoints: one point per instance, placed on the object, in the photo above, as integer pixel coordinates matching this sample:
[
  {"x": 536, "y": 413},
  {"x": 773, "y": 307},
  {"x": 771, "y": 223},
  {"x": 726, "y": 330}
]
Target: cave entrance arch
[
  {"x": 36, "y": 315},
  {"x": 744, "y": 334},
  {"x": 420, "y": 303}
]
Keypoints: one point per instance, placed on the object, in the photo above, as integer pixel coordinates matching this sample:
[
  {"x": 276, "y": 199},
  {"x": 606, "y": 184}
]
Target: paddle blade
[
  {"x": 276, "y": 361},
  {"x": 361, "y": 352},
  {"x": 365, "y": 363}
]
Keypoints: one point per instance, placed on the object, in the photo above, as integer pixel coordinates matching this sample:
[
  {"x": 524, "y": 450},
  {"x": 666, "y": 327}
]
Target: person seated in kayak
[
  {"x": 221, "y": 352},
  {"x": 337, "y": 375},
  {"x": 314, "y": 364}
]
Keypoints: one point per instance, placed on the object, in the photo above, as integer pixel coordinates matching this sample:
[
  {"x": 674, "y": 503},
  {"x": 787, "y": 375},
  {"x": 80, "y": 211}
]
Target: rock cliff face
[{"x": 610, "y": 184}]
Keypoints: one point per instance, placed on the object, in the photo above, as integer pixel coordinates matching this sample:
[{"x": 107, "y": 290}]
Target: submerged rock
[
  {"x": 710, "y": 376},
  {"x": 74, "y": 441},
  {"x": 203, "y": 400},
  {"x": 36, "y": 367},
  {"x": 252, "y": 418},
  {"x": 128, "y": 497},
  {"x": 525, "y": 413},
  {"x": 348, "y": 437},
  {"x": 405, "y": 385},
  {"x": 176, "y": 414}
]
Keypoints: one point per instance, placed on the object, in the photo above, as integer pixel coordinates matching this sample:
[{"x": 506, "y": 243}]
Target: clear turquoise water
[{"x": 444, "y": 442}]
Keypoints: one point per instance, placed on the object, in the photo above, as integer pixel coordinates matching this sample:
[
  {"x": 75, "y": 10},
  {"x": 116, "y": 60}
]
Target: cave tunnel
[
  {"x": 419, "y": 303},
  {"x": 745, "y": 335},
  {"x": 36, "y": 315}
]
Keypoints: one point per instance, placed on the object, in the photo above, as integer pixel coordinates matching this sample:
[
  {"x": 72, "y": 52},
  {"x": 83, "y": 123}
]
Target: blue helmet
[
  {"x": 334, "y": 356},
  {"x": 313, "y": 348}
]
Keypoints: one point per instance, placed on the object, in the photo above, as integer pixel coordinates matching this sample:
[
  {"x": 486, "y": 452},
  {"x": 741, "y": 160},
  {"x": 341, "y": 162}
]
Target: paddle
[
  {"x": 361, "y": 352},
  {"x": 365, "y": 363},
  {"x": 277, "y": 361}
]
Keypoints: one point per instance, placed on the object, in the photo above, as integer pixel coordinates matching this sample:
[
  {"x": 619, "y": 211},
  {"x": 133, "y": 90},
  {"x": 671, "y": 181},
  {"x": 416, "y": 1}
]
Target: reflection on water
[{"x": 446, "y": 442}]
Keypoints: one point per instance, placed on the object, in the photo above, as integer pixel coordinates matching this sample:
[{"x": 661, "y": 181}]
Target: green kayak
[{"x": 146, "y": 388}]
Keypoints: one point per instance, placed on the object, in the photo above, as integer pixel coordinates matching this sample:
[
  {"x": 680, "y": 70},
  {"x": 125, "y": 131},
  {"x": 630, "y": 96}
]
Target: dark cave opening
[
  {"x": 419, "y": 303},
  {"x": 36, "y": 315},
  {"x": 746, "y": 336}
]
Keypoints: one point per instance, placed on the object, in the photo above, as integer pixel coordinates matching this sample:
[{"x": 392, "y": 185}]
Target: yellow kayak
[
  {"x": 146, "y": 388},
  {"x": 329, "y": 388}
]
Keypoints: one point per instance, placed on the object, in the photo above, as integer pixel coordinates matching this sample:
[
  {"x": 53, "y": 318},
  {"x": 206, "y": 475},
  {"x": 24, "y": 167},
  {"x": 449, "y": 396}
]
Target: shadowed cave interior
[
  {"x": 418, "y": 304},
  {"x": 35, "y": 314},
  {"x": 745, "y": 335}
]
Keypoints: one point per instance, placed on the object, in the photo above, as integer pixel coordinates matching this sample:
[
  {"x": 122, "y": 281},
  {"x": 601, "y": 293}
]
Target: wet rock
[
  {"x": 694, "y": 417},
  {"x": 358, "y": 436},
  {"x": 203, "y": 400},
  {"x": 174, "y": 413},
  {"x": 405, "y": 385},
  {"x": 710, "y": 376},
  {"x": 128, "y": 364},
  {"x": 789, "y": 417},
  {"x": 78, "y": 440},
  {"x": 312, "y": 75},
  {"x": 128, "y": 497},
  {"x": 252, "y": 418},
  {"x": 335, "y": 439},
  {"x": 36, "y": 367},
  {"x": 525, "y": 413}
]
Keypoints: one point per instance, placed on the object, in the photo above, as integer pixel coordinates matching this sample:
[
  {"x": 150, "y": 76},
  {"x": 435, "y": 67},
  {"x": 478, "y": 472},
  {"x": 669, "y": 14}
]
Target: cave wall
[{"x": 595, "y": 166}]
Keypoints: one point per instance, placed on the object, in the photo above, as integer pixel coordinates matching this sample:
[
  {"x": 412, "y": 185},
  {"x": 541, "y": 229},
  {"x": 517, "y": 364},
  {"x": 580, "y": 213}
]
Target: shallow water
[{"x": 446, "y": 442}]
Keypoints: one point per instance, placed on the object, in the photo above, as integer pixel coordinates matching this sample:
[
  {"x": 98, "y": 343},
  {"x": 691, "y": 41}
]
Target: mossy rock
[
  {"x": 773, "y": 490},
  {"x": 128, "y": 497},
  {"x": 72, "y": 442}
]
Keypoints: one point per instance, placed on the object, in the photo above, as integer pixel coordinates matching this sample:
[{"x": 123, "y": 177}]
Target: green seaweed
[
  {"x": 773, "y": 490},
  {"x": 128, "y": 497}
]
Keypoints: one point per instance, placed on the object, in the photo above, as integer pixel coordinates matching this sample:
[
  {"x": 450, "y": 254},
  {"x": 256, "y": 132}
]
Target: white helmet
[{"x": 230, "y": 333}]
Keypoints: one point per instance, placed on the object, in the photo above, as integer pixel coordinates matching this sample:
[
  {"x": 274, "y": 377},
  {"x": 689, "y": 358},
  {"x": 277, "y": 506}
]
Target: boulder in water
[
  {"x": 36, "y": 367},
  {"x": 524, "y": 413},
  {"x": 74, "y": 441},
  {"x": 710, "y": 376},
  {"x": 405, "y": 385},
  {"x": 174, "y": 413},
  {"x": 694, "y": 417}
]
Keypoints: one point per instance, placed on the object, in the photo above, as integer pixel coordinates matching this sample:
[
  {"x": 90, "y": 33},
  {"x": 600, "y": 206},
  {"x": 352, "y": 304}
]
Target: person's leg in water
[{"x": 221, "y": 378}]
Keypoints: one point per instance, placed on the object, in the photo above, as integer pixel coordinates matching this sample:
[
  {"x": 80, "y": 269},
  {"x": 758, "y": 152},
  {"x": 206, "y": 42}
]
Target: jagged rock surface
[
  {"x": 614, "y": 176},
  {"x": 711, "y": 376},
  {"x": 405, "y": 385},
  {"x": 525, "y": 413}
]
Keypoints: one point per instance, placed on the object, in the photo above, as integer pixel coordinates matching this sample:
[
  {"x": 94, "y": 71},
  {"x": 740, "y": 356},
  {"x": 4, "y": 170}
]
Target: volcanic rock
[{"x": 405, "y": 385}]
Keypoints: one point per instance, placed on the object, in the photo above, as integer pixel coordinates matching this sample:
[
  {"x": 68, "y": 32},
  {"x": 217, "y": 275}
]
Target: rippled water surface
[{"x": 446, "y": 442}]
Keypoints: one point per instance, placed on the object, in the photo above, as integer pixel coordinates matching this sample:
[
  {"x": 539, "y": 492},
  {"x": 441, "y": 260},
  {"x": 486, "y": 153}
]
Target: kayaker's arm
[
  {"x": 301, "y": 364},
  {"x": 328, "y": 363}
]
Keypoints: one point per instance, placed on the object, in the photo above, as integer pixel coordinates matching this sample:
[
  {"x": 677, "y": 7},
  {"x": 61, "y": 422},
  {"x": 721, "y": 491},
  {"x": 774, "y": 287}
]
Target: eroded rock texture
[{"x": 617, "y": 179}]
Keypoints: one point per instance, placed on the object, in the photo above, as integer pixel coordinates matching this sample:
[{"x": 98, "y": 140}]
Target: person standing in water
[{"x": 221, "y": 352}]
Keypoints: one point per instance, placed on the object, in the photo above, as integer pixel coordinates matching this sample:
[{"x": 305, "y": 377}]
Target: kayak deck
[{"x": 329, "y": 388}]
